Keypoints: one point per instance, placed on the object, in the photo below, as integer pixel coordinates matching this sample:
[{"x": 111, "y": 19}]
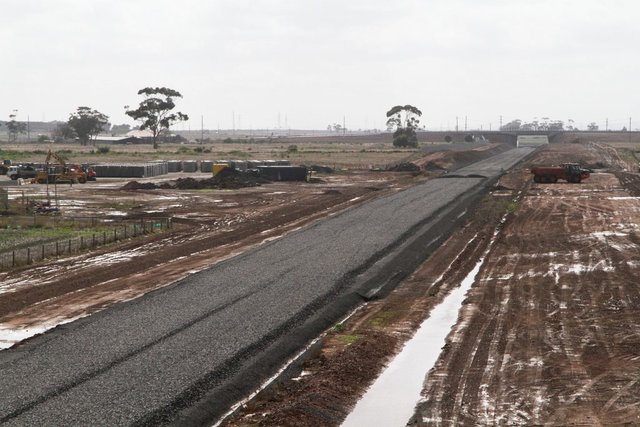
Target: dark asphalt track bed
[{"x": 185, "y": 353}]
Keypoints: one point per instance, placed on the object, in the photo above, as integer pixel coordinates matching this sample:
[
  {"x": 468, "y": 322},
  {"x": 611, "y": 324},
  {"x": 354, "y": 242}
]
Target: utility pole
[
  {"x": 28, "y": 129},
  {"x": 606, "y": 125},
  {"x": 233, "y": 122},
  {"x": 465, "y": 123},
  {"x": 500, "y": 123},
  {"x": 202, "y": 129},
  {"x": 456, "y": 123}
]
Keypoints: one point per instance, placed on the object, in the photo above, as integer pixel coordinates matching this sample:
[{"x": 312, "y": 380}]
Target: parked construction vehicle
[
  {"x": 60, "y": 172},
  {"x": 4, "y": 166},
  {"x": 22, "y": 171},
  {"x": 570, "y": 172}
]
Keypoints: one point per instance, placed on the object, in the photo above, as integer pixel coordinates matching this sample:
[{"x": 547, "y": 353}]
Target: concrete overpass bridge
[{"x": 511, "y": 137}]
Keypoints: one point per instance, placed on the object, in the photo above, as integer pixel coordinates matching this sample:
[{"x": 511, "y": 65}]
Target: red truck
[{"x": 570, "y": 172}]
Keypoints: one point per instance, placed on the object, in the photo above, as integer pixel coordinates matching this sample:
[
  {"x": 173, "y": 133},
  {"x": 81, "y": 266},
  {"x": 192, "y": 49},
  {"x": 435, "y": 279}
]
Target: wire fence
[{"x": 88, "y": 240}]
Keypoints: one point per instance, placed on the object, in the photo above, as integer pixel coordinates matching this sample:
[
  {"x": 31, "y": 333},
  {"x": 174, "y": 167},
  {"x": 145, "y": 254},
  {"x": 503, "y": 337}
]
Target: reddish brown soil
[
  {"x": 547, "y": 335},
  {"x": 208, "y": 227}
]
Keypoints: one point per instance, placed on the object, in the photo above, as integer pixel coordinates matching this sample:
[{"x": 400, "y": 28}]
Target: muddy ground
[
  {"x": 550, "y": 322},
  {"x": 208, "y": 226},
  {"x": 547, "y": 335}
]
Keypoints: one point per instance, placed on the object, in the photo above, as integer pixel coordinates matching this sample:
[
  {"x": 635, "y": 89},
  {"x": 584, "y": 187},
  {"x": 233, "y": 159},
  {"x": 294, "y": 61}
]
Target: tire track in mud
[{"x": 550, "y": 333}]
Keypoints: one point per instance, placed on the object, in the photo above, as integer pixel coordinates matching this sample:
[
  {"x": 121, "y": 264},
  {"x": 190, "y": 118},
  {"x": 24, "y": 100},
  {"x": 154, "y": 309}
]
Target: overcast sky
[{"x": 311, "y": 62}]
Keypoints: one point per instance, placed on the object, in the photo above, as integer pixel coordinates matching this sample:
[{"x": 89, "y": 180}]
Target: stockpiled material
[
  {"x": 175, "y": 165},
  {"x": 240, "y": 165},
  {"x": 253, "y": 164},
  {"x": 190, "y": 166},
  {"x": 206, "y": 166},
  {"x": 283, "y": 173},
  {"x": 131, "y": 170}
]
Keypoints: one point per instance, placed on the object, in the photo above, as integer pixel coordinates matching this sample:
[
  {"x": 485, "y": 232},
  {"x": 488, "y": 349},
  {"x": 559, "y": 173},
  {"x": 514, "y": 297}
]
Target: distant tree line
[
  {"x": 154, "y": 112},
  {"x": 547, "y": 124}
]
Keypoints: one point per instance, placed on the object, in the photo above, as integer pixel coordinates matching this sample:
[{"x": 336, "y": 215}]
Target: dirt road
[{"x": 550, "y": 332}]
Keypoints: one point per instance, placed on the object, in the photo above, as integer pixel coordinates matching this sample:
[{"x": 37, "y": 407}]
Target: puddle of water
[
  {"x": 9, "y": 337},
  {"x": 392, "y": 398}
]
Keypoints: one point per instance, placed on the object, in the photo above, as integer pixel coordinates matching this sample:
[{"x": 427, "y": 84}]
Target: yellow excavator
[{"x": 59, "y": 172}]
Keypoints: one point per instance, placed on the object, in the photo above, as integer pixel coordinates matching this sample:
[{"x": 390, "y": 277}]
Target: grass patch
[
  {"x": 510, "y": 207},
  {"x": 349, "y": 339},
  {"x": 16, "y": 238},
  {"x": 382, "y": 319}
]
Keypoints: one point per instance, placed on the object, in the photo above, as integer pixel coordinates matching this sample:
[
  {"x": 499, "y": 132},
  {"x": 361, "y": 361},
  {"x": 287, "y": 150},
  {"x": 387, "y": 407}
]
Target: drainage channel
[{"x": 392, "y": 398}]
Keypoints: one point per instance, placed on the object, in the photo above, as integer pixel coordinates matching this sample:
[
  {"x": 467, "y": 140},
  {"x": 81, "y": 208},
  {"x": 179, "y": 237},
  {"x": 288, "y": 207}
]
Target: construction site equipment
[
  {"x": 91, "y": 174},
  {"x": 4, "y": 166},
  {"x": 218, "y": 167},
  {"x": 570, "y": 172},
  {"x": 60, "y": 172},
  {"x": 22, "y": 171}
]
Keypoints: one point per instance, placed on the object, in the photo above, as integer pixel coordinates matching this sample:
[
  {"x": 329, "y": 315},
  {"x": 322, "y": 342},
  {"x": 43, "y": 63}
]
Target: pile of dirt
[
  {"x": 319, "y": 168},
  {"x": 404, "y": 167},
  {"x": 433, "y": 166},
  {"x": 135, "y": 185},
  {"x": 226, "y": 179},
  {"x": 452, "y": 160}
]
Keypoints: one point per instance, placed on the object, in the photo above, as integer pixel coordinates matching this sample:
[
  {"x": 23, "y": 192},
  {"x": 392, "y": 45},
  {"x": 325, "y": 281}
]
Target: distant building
[
  {"x": 118, "y": 140},
  {"x": 147, "y": 136},
  {"x": 142, "y": 134},
  {"x": 532, "y": 140}
]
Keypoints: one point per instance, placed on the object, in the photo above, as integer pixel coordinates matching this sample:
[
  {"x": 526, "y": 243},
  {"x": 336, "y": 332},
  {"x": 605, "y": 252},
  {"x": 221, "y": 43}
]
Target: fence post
[
  {"x": 43, "y": 252},
  {"x": 125, "y": 232},
  {"x": 104, "y": 237},
  {"x": 57, "y": 251},
  {"x": 13, "y": 259},
  {"x": 28, "y": 256},
  {"x": 93, "y": 240},
  {"x": 69, "y": 247},
  {"x": 115, "y": 234}
]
